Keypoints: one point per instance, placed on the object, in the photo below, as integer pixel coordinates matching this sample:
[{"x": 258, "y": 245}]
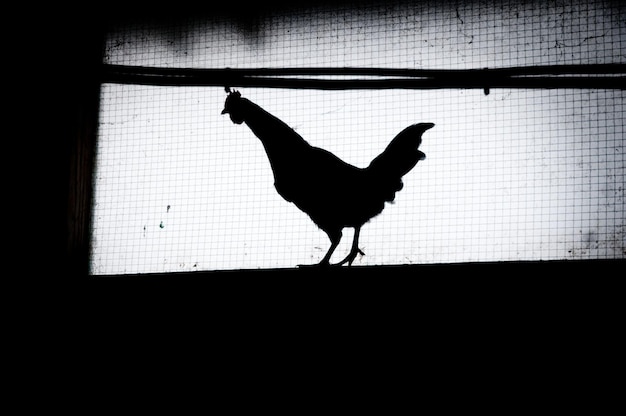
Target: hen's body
[{"x": 332, "y": 192}]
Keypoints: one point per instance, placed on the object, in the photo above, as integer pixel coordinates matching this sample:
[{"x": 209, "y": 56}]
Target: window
[{"x": 515, "y": 174}]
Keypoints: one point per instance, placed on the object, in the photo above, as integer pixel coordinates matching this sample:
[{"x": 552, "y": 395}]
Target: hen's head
[{"x": 233, "y": 106}]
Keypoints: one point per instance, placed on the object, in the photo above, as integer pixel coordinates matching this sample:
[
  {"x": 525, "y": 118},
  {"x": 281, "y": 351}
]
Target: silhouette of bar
[{"x": 605, "y": 76}]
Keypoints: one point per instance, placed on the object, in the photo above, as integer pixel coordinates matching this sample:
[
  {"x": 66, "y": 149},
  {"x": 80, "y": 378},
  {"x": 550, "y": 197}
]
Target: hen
[{"x": 332, "y": 192}]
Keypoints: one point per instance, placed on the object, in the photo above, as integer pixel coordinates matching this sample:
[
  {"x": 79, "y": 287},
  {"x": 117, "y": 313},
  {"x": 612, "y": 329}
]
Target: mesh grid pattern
[
  {"x": 514, "y": 175},
  {"x": 423, "y": 34}
]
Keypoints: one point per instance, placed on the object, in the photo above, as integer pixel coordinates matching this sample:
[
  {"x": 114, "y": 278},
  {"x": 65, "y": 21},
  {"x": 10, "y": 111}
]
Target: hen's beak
[{"x": 224, "y": 111}]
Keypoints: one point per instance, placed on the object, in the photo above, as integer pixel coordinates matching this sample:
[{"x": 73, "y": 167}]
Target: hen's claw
[
  {"x": 350, "y": 258},
  {"x": 320, "y": 265}
]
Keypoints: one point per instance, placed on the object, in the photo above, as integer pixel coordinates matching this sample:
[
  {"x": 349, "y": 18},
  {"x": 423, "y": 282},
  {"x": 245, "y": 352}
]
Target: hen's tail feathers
[{"x": 400, "y": 156}]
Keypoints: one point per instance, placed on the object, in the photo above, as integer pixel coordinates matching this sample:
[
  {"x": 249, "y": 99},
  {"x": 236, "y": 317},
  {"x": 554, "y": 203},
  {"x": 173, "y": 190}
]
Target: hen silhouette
[{"x": 332, "y": 192}]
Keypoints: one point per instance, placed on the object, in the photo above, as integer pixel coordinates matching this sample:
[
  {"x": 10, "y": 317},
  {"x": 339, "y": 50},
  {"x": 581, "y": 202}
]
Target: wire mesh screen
[{"x": 519, "y": 174}]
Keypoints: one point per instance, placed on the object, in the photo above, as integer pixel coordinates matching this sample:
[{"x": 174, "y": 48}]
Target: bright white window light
[{"x": 513, "y": 175}]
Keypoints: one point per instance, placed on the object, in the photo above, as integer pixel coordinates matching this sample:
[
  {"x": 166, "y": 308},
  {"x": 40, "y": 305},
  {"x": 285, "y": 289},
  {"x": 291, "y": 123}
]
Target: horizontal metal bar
[
  {"x": 615, "y": 68},
  {"x": 605, "y": 76}
]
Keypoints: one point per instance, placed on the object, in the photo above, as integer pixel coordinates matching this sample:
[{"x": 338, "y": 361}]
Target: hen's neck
[{"x": 264, "y": 125}]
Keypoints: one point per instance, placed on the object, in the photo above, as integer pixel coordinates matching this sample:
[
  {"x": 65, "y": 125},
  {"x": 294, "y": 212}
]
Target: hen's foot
[
  {"x": 350, "y": 258},
  {"x": 320, "y": 265}
]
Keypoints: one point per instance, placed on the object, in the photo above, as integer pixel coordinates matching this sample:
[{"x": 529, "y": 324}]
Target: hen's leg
[
  {"x": 354, "y": 251},
  {"x": 335, "y": 238}
]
